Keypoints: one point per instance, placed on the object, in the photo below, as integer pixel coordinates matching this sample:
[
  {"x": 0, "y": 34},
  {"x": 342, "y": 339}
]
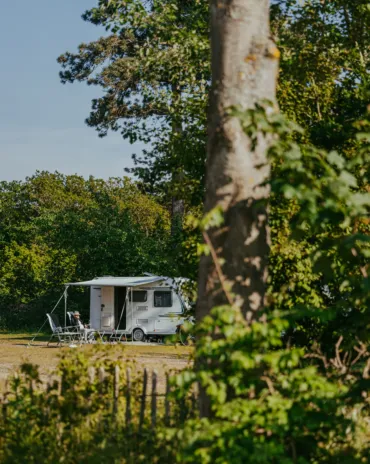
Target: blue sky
[{"x": 42, "y": 121}]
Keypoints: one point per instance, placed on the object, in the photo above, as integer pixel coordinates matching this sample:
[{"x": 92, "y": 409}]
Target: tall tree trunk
[{"x": 244, "y": 71}]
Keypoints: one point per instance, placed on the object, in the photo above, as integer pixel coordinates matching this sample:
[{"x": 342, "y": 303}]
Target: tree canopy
[{"x": 154, "y": 65}]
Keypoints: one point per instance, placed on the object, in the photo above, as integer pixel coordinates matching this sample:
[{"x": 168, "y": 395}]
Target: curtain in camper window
[{"x": 162, "y": 299}]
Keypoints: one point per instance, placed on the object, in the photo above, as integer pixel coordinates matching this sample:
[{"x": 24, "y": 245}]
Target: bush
[{"x": 80, "y": 416}]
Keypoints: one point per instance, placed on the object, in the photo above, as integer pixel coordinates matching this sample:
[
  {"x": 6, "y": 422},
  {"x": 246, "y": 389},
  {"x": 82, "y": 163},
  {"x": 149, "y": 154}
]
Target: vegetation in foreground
[{"x": 86, "y": 413}]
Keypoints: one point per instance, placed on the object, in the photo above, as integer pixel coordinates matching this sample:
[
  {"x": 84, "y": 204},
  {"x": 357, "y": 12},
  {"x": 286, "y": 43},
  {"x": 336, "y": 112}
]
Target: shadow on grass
[{"x": 13, "y": 337}]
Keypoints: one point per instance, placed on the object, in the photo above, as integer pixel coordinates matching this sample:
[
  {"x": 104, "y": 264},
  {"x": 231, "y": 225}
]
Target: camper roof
[{"x": 118, "y": 281}]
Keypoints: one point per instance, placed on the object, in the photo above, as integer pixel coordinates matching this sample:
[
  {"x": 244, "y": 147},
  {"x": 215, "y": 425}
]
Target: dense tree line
[{"x": 56, "y": 229}]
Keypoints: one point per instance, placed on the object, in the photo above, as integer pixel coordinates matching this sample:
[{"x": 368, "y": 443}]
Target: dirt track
[{"x": 162, "y": 358}]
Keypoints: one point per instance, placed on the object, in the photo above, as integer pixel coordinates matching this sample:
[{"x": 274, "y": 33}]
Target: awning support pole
[
  {"x": 51, "y": 312},
  {"x": 123, "y": 308},
  {"x": 132, "y": 317},
  {"x": 65, "y": 306}
]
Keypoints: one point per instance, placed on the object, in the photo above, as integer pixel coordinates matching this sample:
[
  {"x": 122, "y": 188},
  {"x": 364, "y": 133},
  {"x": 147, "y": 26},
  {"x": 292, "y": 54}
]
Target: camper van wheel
[{"x": 139, "y": 335}]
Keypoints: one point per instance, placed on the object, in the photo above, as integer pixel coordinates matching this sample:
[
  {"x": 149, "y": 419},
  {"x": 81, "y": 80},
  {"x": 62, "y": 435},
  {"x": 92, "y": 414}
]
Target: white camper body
[{"x": 139, "y": 306}]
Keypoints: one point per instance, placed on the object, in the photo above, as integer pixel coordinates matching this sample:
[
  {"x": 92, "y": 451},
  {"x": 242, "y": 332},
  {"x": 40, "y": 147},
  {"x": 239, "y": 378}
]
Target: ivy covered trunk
[{"x": 244, "y": 72}]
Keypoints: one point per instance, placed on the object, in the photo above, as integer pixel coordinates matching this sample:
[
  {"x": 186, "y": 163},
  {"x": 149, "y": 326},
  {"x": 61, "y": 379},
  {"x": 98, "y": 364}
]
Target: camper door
[
  {"x": 107, "y": 308},
  {"x": 95, "y": 307}
]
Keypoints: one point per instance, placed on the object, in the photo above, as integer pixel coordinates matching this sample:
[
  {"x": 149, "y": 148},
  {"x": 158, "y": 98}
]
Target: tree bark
[{"x": 244, "y": 71}]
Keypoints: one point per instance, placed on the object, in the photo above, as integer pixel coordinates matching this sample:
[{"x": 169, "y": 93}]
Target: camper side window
[
  {"x": 163, "y": 299},
  {"x": 139, "y": 296}
]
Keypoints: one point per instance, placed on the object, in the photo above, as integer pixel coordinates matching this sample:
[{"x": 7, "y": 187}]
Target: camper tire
[{"x": 138, "y": 335}]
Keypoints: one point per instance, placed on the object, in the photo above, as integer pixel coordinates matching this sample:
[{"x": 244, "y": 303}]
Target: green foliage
[
  {"x": 57, "y": 229},
  {"x": 324, "y": 80},
  {"x": 274, "y": 396},
  {"x": 268, "y": 403},
  {"x": 154, "y": 68},
  {"x": 75, "y": 419},
  {"x": 28, "y": 271},
  {"x": 326, "y": 231}
]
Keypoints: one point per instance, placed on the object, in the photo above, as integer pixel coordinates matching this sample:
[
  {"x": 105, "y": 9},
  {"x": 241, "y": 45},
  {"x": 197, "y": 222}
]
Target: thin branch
[
  {"x": 269, "y": 384},
  {"x": 362, "y": 351},
  {"x": 363, "y": 269},
  {"x": 337, "y": 362},
  {"x": 218, "y": 267},
  {"x": 366, "y": 370},
  {"x": 318, "y": 356},
  {"x": 337, "y": 346}
]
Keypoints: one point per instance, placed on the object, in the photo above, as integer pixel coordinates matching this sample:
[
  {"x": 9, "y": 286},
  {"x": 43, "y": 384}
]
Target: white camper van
[{"x": 140, "y": 307}]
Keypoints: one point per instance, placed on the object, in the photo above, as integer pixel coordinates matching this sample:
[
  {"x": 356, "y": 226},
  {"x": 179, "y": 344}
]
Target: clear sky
[{"x": 42, "y": 121}]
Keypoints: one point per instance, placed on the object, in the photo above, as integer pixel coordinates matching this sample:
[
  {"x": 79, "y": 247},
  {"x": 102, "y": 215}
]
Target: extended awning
[{"x": 118, "y": 281}]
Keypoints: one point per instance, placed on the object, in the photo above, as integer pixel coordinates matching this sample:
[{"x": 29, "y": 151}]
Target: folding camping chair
[{"x": 63, "y": 334}]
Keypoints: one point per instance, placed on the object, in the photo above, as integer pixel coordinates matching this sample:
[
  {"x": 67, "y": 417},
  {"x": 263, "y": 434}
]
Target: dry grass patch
[{"x": 162, "y": 358}]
